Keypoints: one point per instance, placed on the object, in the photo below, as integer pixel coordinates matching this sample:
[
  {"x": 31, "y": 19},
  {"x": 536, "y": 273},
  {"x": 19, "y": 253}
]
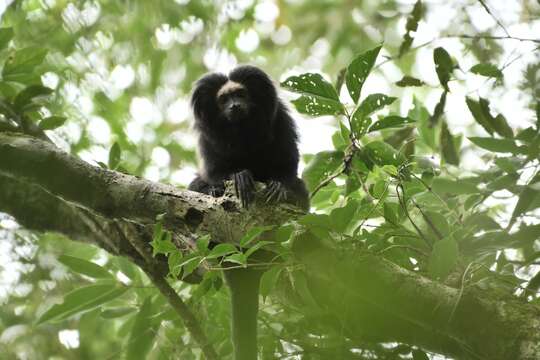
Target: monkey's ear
[{"x": 203, "y": 98}]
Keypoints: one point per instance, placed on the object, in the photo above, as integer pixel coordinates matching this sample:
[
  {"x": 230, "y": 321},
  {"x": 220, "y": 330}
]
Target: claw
[
  {"x": 244, "y": 187},
  {"x": 275, "y": 192}
]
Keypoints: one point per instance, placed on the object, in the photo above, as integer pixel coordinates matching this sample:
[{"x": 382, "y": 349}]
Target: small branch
[
  {"x": 345, "y": 167},
  {"x": 189, "y": 319},
  {"x": 403, "y": 203},
  {"x": 326, "y": 181},
  {"x": 480, "y": 37},
  {"x": 484, "y": 5}
]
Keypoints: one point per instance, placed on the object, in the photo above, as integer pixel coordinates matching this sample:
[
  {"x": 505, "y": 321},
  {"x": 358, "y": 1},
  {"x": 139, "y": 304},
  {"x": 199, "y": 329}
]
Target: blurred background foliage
[{"x": 122, "y": 71}]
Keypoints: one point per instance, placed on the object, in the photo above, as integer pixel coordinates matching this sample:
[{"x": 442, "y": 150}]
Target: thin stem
[
  {"x": 492, "y": 37},
  {"x": 484, "y": 5}
]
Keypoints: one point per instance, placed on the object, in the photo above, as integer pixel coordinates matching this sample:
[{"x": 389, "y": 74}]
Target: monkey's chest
[{"x": 254, "y": 158}]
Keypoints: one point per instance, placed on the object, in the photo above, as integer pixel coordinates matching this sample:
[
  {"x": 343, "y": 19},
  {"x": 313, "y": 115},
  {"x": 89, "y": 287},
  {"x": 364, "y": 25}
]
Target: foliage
[{"x": 393, "y": 183}]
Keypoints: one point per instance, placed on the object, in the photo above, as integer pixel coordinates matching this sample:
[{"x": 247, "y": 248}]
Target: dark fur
[
  {"x": 259, "y": 145},
  {"x": 264, "y": 142}
]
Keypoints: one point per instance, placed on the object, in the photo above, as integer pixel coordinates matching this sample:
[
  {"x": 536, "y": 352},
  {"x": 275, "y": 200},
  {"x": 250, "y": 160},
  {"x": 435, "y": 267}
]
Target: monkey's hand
[
  {"x": 275, "y": 192},
  {"x": 244, "y": 187}
]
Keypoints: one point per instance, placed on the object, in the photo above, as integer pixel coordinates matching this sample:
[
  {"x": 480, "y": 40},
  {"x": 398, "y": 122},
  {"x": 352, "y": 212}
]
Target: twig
[
  {"x": 484, "y": 5},
  {"x": 185, "y": 313},
  {"x": 326, "y": 181},
  {"x": 391, "y": 58},
  {"x": 404, "y": 207},
  {"x": 428, "y": 220},
  {"x": 190, "y": 321},
  {"x": 492, "y": 37}
]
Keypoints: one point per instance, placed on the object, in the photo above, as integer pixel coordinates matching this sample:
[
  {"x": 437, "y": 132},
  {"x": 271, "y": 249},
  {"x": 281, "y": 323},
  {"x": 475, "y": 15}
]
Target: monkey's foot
[
  {"x": 244, "y": 187},
  {"x": 275, "y": 192}
]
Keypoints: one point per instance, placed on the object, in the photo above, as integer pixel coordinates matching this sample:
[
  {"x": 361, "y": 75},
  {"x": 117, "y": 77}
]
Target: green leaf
[
  {"x": 26, "y": 96},
  {"x": 85, "y": 267},
  {"x": 381, "y": 153},
  {"x": 318, "y": 96},
  {"x": 409, "y": 81},
  {"x": 190, "y": 263},
  {"x": 114, "y": 313},
  {"x": 342, "y": 217},
  {"x": 455, "y": 187},
  {"x": 479, "y": 114},
  {"x": 443, "y": 258},
  {"x": 300, "y": 285},
  {"x": 526, "y": 198},
  {"x": 269, "y": 280},
  {"x": 222, "y": 250},
  {"x": 317, "y": 106},
  {"x": 538, "y": 116},
  {"x": 373, "y": 102},
  {"x": 391, "y": 121},
  {"x": 115, "y": 155},
  {"x": 23, "y": 62},
  {"x": 82, "y": 300},
  {"x": 449, "y": 150},
  {"x": 497, "y": 145},
  {"x": 311, "y": 84},
  {"x": 358, "y": 70},
  {"x": 488, "y": 70},
  {"x": 174, "y": 260},
  {"x": 503, "y": 182},
  {"x": 237, "y": 258},
  {"x": 143, "y": 333},
  {"x": 256, "y": 247},
  {"x": 498, "y": 123},
  {"x": 52, "y": 122},
  {"x": 509, "y": 164},
  {"x": 163, "y": 245},
  {"x": 391, "y": 214},
  {"x": 443, "y": 66},
  {"x": 438, "y": 221},
  {"x": 411, "y": 27},
  {"x": 501, "y": 126},
  {"x": 6, "y": 34},
  {"x": 439, "y": 110},
  {"x": 202, "y": 243},
  {"x": 253, "y": 233},
  {"x": 323, "y": 165}
]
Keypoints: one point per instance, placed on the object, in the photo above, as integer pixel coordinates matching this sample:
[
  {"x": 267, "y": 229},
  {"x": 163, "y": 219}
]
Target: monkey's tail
[{"x": 244, "y": 289}]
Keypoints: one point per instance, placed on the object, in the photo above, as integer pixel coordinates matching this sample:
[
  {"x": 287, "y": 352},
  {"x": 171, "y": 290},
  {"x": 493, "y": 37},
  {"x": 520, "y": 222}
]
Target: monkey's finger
[
  {"x": 236, "y": 180},
  {"x": 273, "y": 190},
  {"x": 244, "y": 192}
]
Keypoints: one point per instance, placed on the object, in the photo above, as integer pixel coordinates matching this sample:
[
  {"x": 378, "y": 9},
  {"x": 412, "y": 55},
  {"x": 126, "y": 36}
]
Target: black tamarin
[{"x": 246, "y": 135}]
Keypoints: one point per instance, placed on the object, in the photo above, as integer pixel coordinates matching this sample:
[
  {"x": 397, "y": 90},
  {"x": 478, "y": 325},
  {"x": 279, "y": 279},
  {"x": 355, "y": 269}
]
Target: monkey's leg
[{"x": 244, "y": 289}]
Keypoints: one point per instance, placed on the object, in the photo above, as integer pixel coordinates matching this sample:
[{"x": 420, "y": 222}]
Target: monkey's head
[
  {"x": 246, "y": 97},
  {"x": 233, "y": 101}
]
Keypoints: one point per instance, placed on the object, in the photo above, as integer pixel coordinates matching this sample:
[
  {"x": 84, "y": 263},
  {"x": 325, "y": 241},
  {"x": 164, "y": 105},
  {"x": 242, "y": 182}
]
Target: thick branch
[
  {"x": 380, "y": 301},
  {"x": 116, "y": 195}
]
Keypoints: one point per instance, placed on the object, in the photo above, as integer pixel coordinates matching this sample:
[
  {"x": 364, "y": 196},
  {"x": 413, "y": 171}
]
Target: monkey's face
[{"x": 233, "y": 101}]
